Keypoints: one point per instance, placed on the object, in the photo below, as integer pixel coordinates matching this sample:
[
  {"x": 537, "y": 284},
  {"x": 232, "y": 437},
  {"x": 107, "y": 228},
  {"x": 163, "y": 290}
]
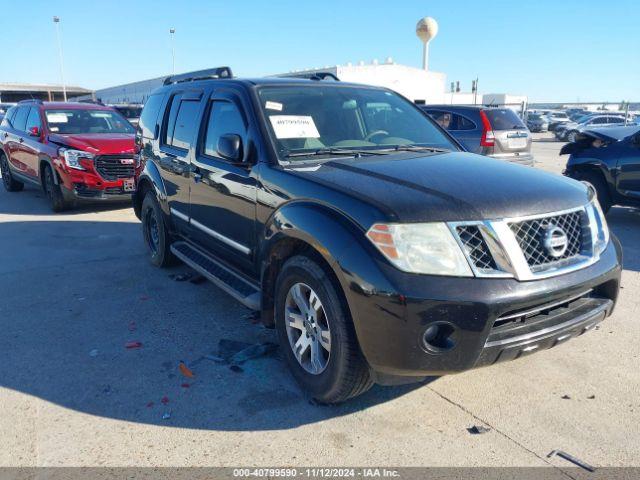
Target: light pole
[
  {"x": 172, "y": 31},
  {"x": 56, "y": 20}
]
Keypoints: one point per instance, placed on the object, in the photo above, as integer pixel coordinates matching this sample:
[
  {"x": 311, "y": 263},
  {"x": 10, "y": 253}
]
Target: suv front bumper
[{"x": 390, "y": 326}]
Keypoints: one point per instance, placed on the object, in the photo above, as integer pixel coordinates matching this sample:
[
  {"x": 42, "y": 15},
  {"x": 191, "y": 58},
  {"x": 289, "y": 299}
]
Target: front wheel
[
  {"x": 316, "y": 333},
  {"x": 571, "y": 137},
  {"x": 155, "y": 233},
  {"x": 53, "y": 191},
  {"x": 10, "y": 184}
]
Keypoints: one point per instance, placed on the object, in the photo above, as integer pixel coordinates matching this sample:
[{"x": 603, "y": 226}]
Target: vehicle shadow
[
  {"x": 77, "y": 293},
  {"x": 34, "y": 202}
]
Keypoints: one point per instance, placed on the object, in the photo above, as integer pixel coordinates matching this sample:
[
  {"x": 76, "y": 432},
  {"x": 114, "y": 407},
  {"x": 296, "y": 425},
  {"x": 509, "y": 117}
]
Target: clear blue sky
[{"x": 551, "y": 50}]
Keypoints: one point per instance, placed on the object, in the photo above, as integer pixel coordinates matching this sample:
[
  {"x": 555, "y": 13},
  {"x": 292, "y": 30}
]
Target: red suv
[{"x": 73, "y": 151}]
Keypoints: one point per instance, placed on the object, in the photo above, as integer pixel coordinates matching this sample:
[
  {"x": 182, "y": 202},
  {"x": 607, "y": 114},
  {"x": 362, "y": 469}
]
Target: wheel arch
[
  {"x": 150, "y": 179},
  {"x": 329, "y": 237}
]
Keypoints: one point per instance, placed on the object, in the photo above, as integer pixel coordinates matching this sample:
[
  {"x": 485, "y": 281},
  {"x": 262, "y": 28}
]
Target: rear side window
[
  {"x": 224, "y": 118},
  {"x": 452, "y": 121},
  {"x": 150, "y": 115},
  {"x": 7, "y": 120},
  {"x": 33, "y": 120},
  {"x": 181, "y": 122},
  {"x": 20, "y": 120},
  {"x": 503, "y": 119}
]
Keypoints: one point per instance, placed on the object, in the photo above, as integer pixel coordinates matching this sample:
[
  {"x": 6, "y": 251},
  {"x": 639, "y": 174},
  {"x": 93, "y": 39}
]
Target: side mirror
[
  {"x": 34, "y": 132},
  {"x": 230, "y": 147}
]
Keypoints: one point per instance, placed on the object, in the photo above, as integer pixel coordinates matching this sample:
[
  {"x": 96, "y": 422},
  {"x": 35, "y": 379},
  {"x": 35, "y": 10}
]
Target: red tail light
[{"x": 488, "y": 139}]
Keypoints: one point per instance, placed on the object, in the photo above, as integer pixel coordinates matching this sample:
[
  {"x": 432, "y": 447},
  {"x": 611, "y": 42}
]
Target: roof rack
[
  {"x": 317, "y": 76},
  {"x": 31, "y": 100},
  {"x": 218, "y": 72}
]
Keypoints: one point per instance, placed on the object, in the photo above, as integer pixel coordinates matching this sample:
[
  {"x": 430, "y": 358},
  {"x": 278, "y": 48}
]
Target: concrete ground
[{"x": 75, "y": 288}]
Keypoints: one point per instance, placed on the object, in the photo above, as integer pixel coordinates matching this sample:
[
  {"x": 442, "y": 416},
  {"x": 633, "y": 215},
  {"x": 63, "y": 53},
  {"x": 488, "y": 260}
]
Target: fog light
[{"x": 439, "y": 337}]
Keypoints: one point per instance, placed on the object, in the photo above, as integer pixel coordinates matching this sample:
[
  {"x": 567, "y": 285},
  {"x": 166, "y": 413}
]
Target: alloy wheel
[{"x": 307, "y": 328}]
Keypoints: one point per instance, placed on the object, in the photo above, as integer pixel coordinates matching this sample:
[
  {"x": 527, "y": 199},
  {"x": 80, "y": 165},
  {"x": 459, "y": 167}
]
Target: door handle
[{"x": 21, "y": 140}]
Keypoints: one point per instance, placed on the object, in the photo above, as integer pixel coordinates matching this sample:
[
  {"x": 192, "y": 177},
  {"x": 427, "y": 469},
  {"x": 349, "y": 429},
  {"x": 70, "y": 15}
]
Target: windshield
[
  {"x": 322, "y": 117},
  {"x": 78, "y": 121}
]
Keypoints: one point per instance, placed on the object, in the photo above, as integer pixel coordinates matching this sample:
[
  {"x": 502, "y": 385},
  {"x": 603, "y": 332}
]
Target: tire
[
  {"x": 601, "y": 188},
  {"x": 155, "y": 233},
  {"x": 339, "y": 373},
  {"x": 571, "y": 136},
  {"x": 10, "y": 183},
  {"x": 53, "y": 191}
]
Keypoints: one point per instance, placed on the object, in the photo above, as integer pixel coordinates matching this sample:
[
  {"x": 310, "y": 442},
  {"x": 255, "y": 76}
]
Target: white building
[{"x": 414, "y": 83}]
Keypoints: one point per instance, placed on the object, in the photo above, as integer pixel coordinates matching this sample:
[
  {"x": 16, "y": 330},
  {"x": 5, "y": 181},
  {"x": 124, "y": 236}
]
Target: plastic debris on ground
[
  {"x": 94, "y": 352},
  {"x": 164, "y": 400},
  {"x": 186, "y": 371},
  {"x": 572, "y": 459},
  {"x": 185, "y": 385},
  {"x": 565, "y": 397},
  {"x": 478, "y": 430},
  {"x": 166, "y": 416},
  {"x": 132, "y": 345},
  {"x": 236, "y": 353}
]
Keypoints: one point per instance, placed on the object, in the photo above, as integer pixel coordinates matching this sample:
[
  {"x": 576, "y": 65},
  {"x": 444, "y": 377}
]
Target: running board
[{"x": 239, "y": 288}]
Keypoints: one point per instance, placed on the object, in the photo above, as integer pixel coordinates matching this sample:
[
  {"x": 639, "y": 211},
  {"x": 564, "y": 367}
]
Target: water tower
[{"x": 426, "y": 30}]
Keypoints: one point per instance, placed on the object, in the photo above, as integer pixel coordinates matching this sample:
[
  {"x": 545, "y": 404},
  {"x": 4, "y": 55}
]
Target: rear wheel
[
  {"x": 600, "y": 186},
  {"x": 10, "y": 184},
  {"x": 316, "y": 333},
  {"x": 53, "y": 191},
  {"x": 155, "y": 232}
]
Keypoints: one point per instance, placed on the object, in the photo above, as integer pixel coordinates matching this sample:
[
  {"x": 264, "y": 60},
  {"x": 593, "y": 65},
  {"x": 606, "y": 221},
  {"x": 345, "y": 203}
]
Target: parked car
[
  {"x": 379, "y": 250},
  {"x": 73, "y": 151},
  {"x": 536, "y": 122},
  {"x": 495, "y": 132},
  {"x": 569, "y": 131},
  {"x": 130, "y": 111},
  {"x": 557, "y": 118},
  {"x": 609, "y": 160}
]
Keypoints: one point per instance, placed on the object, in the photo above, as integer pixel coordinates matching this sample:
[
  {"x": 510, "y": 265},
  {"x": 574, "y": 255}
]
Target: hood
[
  {"x": 96, "y": 143},
  {"x": 612, "y": 133},
  {"x": 608, "y": 135},
  {"x": 454, "y": 186}
]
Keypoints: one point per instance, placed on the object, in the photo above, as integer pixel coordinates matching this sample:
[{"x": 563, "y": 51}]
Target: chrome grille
[
  {"x": 475, "y": 247},
  {"x": 530, "y": 237},
  {"x": 111, "y": 168}
]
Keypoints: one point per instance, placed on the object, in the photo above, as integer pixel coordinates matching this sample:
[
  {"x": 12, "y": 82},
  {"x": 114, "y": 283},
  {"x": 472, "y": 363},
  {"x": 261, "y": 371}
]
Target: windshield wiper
[
  {"x": 419, "y": 148},
  {"x": 335, "y": 151}
]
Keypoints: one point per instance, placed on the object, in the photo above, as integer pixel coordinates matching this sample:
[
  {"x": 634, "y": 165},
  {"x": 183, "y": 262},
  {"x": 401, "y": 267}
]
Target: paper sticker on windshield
[
  {"x": 294, "y": 126},
  {"x": 101, "y": 114},
  {"x": 57, "y": 118},
  {"x": 273, "y": 106}
]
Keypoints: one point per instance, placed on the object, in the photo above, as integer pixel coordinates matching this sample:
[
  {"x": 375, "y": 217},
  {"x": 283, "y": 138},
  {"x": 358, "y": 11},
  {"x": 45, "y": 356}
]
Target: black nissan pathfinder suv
[{"x": 358, "y": 228}]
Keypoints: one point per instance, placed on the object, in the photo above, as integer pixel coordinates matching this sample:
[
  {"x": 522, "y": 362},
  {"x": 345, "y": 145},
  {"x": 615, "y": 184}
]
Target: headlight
[
  {"x": 72, "y": 157},
  {"x": 427, "y": 248},
  {"x": 599, "y": 227}
]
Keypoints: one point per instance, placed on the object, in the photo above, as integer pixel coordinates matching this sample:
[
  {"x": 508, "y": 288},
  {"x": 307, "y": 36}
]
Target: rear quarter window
[
  {"x": 503, "y": 119},
  {"x": 150, "y": 115}
]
